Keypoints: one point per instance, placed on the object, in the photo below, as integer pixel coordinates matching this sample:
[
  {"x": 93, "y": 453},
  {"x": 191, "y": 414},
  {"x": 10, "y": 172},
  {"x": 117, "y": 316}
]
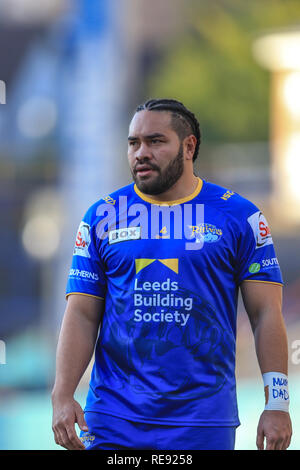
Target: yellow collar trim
[{"x": 170, "y": 203}]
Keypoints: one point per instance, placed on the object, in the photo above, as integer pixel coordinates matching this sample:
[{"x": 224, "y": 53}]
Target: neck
[{"x": 183, "y": 188}]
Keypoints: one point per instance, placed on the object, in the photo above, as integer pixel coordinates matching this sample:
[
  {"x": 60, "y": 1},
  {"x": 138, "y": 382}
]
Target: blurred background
[{"x": 72, "y": 73}]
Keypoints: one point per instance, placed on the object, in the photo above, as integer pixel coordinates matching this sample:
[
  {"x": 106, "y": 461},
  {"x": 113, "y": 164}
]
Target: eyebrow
[{"x": 147, "y": 137}]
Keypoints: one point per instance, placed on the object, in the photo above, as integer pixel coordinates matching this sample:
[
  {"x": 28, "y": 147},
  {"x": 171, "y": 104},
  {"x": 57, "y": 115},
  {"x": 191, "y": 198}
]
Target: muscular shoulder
[
  {"x": 229, "y": 202},
  {"x": 108, "y": 203}
]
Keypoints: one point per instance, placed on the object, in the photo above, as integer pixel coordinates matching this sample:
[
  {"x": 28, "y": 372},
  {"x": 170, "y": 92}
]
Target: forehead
[{"x": 150, "y": 122}]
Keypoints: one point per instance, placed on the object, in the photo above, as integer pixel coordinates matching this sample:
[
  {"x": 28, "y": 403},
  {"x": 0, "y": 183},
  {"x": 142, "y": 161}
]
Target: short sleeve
[
  {"x": 87, "y": 273},
  {"x": 256, "y": 257}
]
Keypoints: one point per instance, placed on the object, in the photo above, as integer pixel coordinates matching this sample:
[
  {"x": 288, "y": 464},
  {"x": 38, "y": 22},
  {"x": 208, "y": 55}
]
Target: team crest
[{"x": 207, "y": 233}]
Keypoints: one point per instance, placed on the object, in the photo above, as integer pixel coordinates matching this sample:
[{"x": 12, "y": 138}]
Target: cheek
[
  {"x": 130, "y": 158},
  {"x": 164, "y": 156}
]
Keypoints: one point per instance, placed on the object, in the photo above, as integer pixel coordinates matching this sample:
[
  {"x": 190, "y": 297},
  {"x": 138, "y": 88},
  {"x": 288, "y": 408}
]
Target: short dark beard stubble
[{"x": 165, "y": 179}]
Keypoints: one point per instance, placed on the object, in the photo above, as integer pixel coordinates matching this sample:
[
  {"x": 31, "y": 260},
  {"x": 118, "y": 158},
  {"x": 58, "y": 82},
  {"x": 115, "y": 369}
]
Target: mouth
[{"x": 144, "y": 170}]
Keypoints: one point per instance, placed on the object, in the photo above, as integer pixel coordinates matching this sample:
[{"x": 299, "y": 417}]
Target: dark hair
[{"x": 184, "y": 122}]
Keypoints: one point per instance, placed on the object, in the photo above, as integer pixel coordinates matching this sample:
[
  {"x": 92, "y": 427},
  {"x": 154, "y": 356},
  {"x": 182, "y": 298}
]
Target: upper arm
[
  {"x": 255, "y": 257},
  {"x": 261, "y": 298},
  {"x": 88, "y": 307}
]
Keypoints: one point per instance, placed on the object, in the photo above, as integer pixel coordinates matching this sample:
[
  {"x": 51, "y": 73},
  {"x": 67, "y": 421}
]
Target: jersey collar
[{"x": 170, "y": 203}]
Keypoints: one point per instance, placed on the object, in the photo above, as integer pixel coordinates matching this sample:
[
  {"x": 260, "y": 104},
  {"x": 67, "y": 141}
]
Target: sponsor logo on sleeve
[
  {"x": 227, "y": 195},
  {"x": 83, "y": 275},
  {"x": 83, "y": 240},
  {"x": 124, "y": 234},
  {"x": 254, "y": 268},
  {"x": 260, "y": 230},
  {"x": 109, "y": 200},
  {"x": 270, "y": 263},
  {"x": 264, "y": 265}
]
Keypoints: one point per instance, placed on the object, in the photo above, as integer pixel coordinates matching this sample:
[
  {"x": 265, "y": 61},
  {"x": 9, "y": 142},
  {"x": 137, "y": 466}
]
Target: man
[{"x": 156, "y": 268}]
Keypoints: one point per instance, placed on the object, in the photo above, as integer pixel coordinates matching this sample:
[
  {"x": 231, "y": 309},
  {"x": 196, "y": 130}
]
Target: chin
[{"x": 148, "y": 187}]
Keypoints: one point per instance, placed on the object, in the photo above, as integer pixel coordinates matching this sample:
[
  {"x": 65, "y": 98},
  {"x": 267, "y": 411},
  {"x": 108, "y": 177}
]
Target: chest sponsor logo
[
  {"x": 206, "y": 233},
  {"x": 83, "y": 240},
  {"x": 124, "y": 234},
  {"x": 158, "y": 301},
  {"x": 261, "y": 230},
  {"x": 171, "y": 263}
]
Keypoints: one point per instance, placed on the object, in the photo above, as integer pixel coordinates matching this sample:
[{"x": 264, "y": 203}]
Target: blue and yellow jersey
[{"x": 169, "y": 275}]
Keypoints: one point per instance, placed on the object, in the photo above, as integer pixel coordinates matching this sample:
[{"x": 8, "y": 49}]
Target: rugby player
[{"x": 153, "y": 291}]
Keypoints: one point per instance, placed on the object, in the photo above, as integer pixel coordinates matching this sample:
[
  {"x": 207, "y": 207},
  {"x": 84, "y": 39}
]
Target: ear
[{"x": 189, "y": 145}]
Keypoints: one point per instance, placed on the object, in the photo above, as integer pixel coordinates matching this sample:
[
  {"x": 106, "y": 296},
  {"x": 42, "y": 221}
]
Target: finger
[
  {"x": 57, "y": 437},
  {"x": 290, "y": 433},
  {"x": 63, "y": 439},
  {"x": 279, "y": 444},
  {"x": 73, "y": 439},
  {"x": 260, "y": 440},
  {"x": 270, "y": 445},
  {"x": 81, "y": 421},
  {"x": 286, "y": 442}
]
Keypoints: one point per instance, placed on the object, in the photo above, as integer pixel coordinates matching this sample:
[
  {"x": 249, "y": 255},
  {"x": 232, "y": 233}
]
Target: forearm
[
  {"x": 74, "y": 351},
  {"x": 272, "y": 352},
  {"x": 271, "y": 343}
]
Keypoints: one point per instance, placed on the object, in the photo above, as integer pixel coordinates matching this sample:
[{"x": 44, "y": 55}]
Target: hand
[
  {"x": 67, "y": 412},
  {"x": 276, "y": 427}
]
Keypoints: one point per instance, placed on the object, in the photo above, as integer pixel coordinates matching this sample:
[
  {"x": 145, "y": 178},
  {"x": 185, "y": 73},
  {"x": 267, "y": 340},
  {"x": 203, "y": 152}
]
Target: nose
[{"x": 143, "y": 152}]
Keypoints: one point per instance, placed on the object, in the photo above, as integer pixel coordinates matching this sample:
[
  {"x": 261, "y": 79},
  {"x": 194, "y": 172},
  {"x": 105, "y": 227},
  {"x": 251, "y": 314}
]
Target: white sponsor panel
[
  {"x": 124, "y": 234},
  {"x": 83, "y": 240},
  {"x": 260, "y": 229},
  {"x": 82, "y": 274}
]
